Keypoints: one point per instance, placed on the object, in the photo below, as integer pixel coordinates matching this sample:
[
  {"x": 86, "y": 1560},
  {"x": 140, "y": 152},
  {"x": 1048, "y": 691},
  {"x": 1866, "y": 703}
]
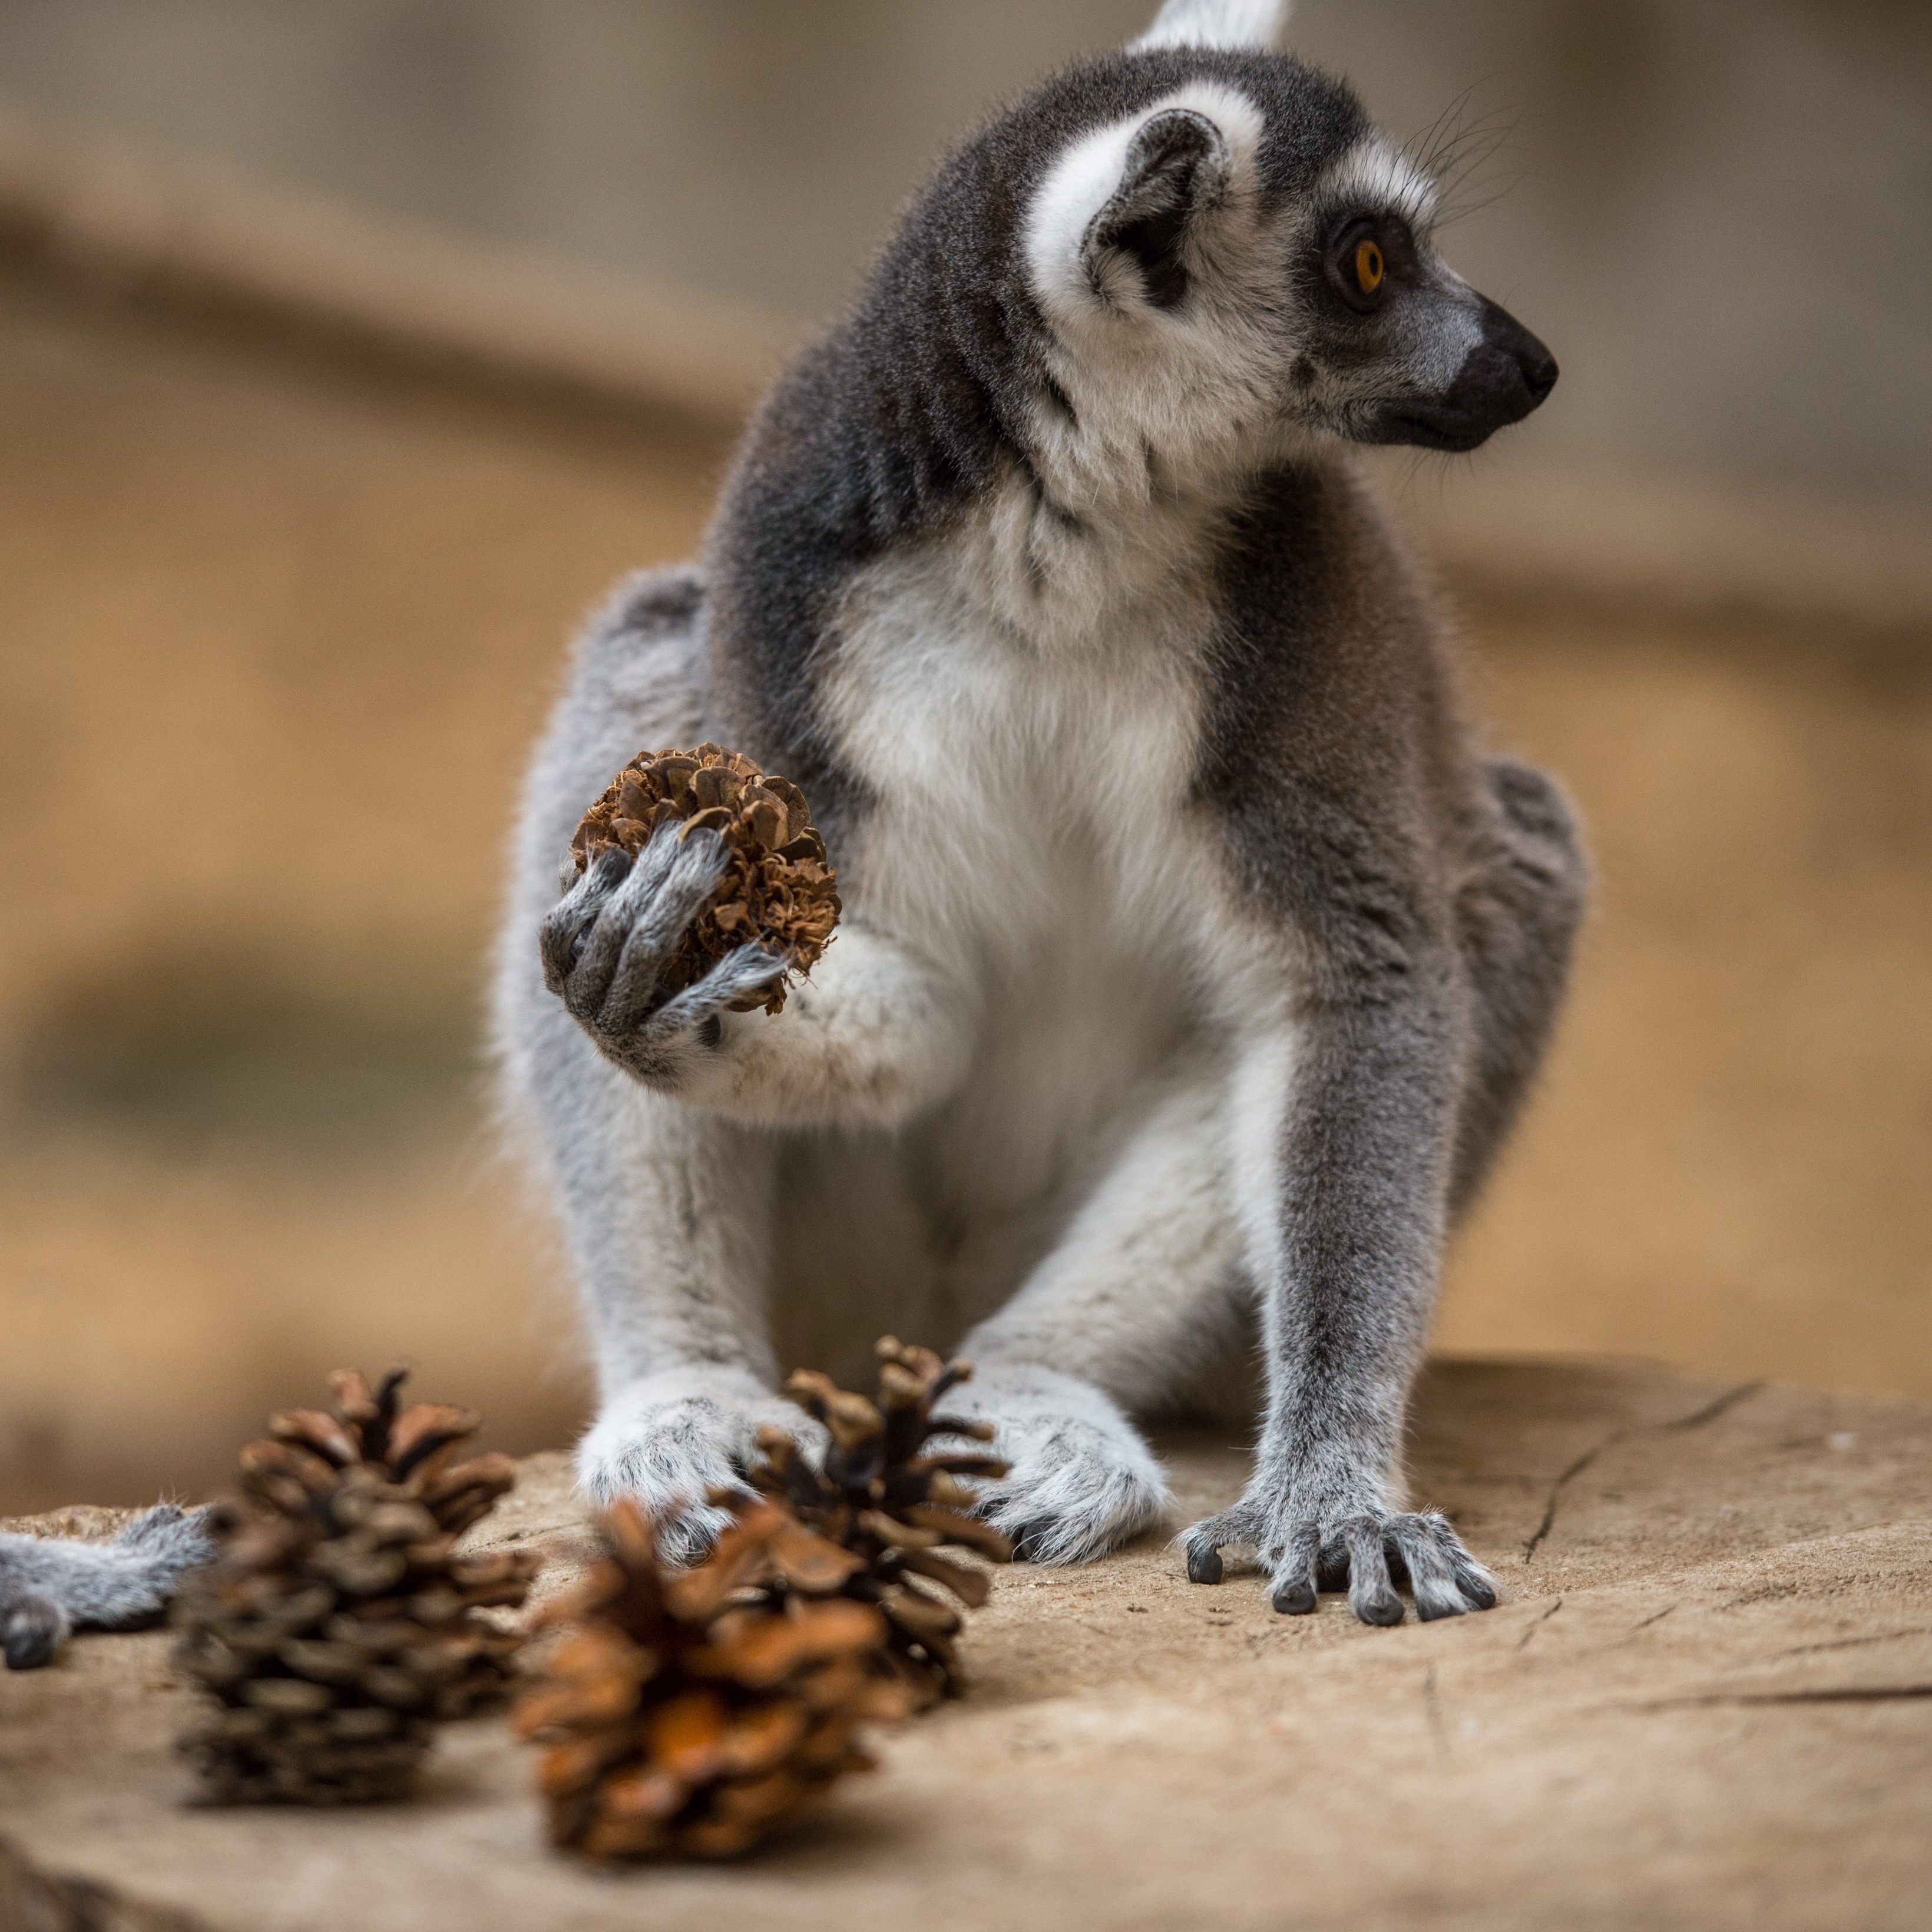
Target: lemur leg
[
  {"x": 666, "y": 1211},
  {"x": 1143, "y": 1286},
  {"x": 1517, "y": 917},
  {"x": 1344, "y": 1124}
]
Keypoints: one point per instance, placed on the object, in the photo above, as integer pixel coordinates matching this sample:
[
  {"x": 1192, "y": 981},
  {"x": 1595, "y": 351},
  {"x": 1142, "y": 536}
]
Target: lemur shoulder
[{"x": 1195, "y": 961}]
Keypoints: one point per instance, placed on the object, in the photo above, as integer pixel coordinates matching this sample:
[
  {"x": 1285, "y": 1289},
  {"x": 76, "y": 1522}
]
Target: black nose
[
  {"x": 1506, "y": 375},
  {"x": 1538, "y": 367},
  {"x": 1509, "y": 354}
]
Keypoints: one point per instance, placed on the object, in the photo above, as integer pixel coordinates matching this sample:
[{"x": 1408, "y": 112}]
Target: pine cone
[
  {"x": 690, "y": 1713},
  {"x": 892, "y": 1505},
  {"x": 780, "y": 893},
  {"x": 338, "y": 1623}
]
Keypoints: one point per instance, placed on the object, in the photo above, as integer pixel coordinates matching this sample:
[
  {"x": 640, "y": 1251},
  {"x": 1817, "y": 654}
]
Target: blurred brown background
[{"x": 348, "y": 352}]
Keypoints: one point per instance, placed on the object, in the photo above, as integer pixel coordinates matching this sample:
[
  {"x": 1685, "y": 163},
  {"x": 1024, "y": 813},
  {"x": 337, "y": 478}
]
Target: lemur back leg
[
  {"x": 1143, "y": 1290},
  {"x": 1519, "y": 915}
]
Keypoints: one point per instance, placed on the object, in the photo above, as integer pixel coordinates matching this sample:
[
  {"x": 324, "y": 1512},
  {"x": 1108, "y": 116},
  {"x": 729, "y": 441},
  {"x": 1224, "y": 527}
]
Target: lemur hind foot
[
  {"x": 1082, "y": 1481},
  {"x": 669, "y": 1440}
]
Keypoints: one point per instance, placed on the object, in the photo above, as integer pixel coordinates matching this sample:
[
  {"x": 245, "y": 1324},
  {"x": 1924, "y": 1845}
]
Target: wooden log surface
[{"x": 1706, "y": 1701}]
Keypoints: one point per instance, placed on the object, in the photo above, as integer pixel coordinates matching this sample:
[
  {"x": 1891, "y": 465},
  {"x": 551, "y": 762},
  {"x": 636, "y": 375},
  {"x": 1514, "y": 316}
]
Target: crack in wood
[
  {"x": 1431, "y": 1704},
  {"x": 1695, "y": 1419},
  {"x": 1522, "y": 1642},
  {"x": 1852, "y": 1642},
  {"x": 1853, "y": 1694}
]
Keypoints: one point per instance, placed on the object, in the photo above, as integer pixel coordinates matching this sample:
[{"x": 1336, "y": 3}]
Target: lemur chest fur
[{"x": 1031, "y": 747}]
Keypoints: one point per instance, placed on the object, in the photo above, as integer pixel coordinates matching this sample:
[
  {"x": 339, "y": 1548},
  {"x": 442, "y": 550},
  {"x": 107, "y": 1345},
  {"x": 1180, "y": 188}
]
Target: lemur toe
[
  {"x": 1030, "y": 1541},
  {"x": 1371, "y": 1594},
  {"x": 1204, "y": 1541}
]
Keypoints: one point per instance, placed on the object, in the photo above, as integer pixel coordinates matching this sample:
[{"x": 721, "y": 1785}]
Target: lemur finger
[
  {"x": 1292, "y": 1587},
  {"x": 1371, "y": 1596},
  {"x": 642, "y": 925},
  {"x": 565, "y": 923},
  {"x": 1410, "y": 1539},
  {"x": 633, "y": 906},
  {"x": 750, "y": 969}
]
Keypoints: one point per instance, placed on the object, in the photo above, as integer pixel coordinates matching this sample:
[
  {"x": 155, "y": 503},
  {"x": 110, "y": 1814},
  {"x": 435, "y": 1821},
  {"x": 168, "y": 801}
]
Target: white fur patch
[
  {"x": 1217, "y": 23},
  {"x": 1083, "y": 181},
  {"x": 1374, "y": 174},
  {"x": 1168, "y": 403}
]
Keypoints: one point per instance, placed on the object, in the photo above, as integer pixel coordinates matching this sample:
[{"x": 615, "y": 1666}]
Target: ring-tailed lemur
[
  {"x": 1194, "y": 962},
  {"x": 50, "y": 1585}
]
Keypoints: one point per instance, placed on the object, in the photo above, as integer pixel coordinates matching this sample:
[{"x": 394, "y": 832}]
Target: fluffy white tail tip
[{"x": 1217, "y": 23}]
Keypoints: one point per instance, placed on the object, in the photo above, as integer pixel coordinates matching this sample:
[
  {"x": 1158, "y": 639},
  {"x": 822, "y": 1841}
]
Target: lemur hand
[
  {"x": 1316, "y": 1537},
  {"x": 605, "y": 943},
  {"x": 49, "y": 1584}
]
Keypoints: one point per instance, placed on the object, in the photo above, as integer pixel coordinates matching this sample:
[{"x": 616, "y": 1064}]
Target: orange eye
[{"x": 1369, "y": 268}]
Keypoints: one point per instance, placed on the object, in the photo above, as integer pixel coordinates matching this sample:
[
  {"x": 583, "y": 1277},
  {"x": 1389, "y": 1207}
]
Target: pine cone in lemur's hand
[
  {"x": 893, "y": 1504},
  {"x": 780, "y": 891},
  {"x": 689, "y": 1715},
  {"x": 338, "y": 1623}
]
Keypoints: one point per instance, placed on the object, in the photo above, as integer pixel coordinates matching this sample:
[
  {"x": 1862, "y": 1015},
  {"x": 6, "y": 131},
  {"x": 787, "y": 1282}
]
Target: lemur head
[{"x": 1217, "y": 243}]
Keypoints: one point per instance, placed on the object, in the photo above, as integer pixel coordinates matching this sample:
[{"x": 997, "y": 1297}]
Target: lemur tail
[
  {"x": 32, "y": 1627},
  {"x": 50, "y": 1584}
]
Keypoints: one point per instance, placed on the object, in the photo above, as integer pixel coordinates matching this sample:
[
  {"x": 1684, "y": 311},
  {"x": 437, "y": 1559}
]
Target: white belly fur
[{"x": 1031, "y": 832}]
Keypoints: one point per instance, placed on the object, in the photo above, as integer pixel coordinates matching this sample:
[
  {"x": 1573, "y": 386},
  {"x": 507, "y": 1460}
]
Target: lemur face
[{"x": 1246, "y": 248}]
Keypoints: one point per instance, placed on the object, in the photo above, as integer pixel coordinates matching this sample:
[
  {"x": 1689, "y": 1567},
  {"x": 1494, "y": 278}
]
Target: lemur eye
[{"x": 1366, "y": 259}]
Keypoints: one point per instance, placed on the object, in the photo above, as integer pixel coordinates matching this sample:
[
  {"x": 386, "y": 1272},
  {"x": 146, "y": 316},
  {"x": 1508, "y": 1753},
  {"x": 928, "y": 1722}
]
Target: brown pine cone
[
  {"x": 780, "y": 891},
  {"x": 338, "y": 1623},
  {"x": 688, "y": 1714},
  {"x": 893, "y": 1505}
]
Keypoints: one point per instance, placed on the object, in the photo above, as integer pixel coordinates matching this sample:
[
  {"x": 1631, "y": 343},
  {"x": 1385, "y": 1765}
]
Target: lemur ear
[
  {"x": 1177, "y": 169},
  {"x": 1217, "y": 23}
]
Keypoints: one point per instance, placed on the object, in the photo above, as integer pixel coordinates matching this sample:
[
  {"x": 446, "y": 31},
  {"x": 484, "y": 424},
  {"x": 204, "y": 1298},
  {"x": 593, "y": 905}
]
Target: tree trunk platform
[{"x": 1705, "y": 1702}]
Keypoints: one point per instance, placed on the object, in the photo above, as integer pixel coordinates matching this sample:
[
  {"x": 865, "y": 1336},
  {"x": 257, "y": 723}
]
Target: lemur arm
[{"x": 878, "y": 1033}]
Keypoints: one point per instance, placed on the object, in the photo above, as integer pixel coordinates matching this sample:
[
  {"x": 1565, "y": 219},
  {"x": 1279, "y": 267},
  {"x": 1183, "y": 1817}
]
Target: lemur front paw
[
  {"x": 669, "y": 1440},
  {"x": 605, "y": 943},
  {"x": 1081, "y": 1480},
  {"x": 1371, "y": 1552}
]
